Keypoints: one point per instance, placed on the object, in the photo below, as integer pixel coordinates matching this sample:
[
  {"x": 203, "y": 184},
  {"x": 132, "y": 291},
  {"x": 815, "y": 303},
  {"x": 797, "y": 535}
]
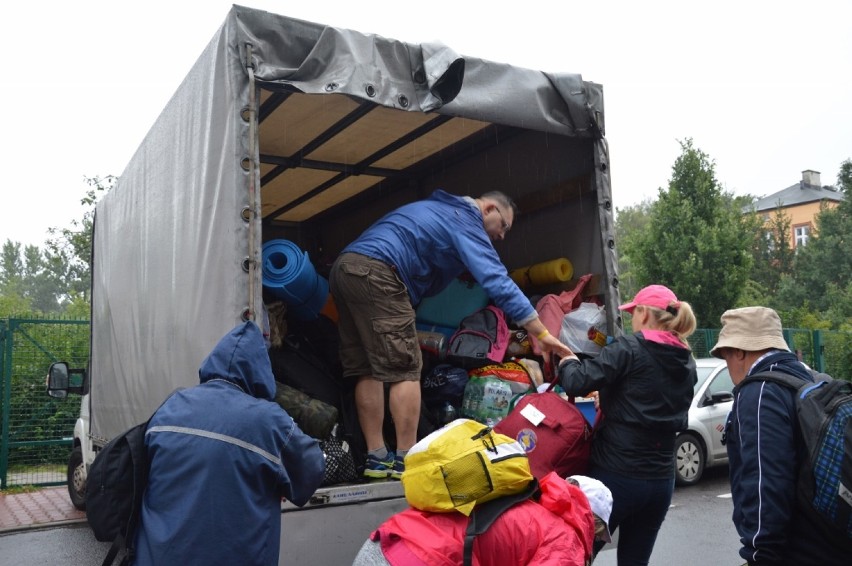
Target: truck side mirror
[
  {"x": 62, "y": 380},
  {"x": 57, "y": 380}
]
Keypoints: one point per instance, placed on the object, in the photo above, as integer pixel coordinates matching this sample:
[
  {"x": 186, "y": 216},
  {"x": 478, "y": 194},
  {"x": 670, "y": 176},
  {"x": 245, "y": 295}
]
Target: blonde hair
[{"x": 679, "y": 320}]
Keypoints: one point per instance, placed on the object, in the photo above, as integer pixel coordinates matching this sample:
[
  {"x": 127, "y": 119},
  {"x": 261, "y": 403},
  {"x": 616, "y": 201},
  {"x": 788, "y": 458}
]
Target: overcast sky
[{"x": 764, "y": 88}]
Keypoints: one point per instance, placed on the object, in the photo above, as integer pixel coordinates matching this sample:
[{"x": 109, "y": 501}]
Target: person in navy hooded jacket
[
  {"x": 223, "y": 454},
  {"x": 764, "y": 448}
]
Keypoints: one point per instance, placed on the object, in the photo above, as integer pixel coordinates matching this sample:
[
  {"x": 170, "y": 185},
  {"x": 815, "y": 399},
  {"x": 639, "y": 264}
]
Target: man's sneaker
[
  {"x": 398, "y": 467},
  {"x": 379, "y": 469}
]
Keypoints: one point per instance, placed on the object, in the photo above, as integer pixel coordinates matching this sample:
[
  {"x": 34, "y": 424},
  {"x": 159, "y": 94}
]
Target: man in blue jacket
[
  {"x": 378, "y": 280},
  {"x": 764, "y": 445},
  {"x": 222, "y": 455}
]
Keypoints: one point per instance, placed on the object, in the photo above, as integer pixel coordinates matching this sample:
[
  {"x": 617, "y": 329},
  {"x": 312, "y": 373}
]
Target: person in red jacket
[{"x": 557, "y": 529}]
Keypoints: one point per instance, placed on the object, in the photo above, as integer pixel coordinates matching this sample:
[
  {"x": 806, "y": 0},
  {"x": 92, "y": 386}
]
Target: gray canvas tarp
[{"x": 174, "y": 237}]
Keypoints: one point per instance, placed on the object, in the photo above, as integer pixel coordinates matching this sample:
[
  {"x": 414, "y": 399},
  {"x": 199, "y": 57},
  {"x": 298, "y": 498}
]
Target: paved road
[
  {"x": 698, "y": 530},
  {"x": 66, "y": 546}
]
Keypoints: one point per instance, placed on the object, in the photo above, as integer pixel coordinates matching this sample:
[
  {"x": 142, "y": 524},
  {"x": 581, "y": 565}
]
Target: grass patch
[{"x": 14, "y": 489}]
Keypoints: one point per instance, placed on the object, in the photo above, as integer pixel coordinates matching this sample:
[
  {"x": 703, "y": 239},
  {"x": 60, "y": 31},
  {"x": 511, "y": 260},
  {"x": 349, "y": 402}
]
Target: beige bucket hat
[{"x": 750, "y": 329}]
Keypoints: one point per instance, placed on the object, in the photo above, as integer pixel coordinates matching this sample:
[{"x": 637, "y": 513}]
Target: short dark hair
[{"x": 503, "y": 199}]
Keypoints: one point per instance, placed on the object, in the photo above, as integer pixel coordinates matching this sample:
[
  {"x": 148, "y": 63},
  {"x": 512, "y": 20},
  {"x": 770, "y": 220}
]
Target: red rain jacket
[{"x": 557, "y": 530}]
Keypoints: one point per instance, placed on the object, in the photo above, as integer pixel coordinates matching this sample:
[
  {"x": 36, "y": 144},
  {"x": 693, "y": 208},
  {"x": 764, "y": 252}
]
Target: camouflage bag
[{"x": 316, "y": 418}]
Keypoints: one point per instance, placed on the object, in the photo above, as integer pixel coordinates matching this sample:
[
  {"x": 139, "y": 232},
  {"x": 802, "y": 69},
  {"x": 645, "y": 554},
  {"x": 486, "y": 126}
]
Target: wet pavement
[{"x": 44, "y": 507}]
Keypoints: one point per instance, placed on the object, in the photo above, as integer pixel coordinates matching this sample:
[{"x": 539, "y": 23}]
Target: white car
[{"x": 700, "y": 446}]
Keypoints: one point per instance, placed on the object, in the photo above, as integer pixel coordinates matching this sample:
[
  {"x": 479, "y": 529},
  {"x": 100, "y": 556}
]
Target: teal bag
[{"x": 450, "y": 306}]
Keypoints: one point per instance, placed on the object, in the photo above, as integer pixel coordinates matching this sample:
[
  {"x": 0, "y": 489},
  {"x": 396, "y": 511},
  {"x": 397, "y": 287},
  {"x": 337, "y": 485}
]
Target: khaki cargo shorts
[{"x": 376, "y": 320}]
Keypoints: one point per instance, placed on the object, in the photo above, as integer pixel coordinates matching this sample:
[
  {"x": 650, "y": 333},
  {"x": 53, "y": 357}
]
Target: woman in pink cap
[{"x": 645, "y": 381}]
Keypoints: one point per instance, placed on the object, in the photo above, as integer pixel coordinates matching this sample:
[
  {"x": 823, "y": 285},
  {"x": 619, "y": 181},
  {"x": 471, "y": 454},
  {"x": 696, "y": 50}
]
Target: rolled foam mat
[
  {"x": 289, "y": 274},
  {"x": 553, "y": 271}
]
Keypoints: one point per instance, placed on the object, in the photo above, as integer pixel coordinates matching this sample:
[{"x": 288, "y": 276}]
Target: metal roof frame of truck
[{"x": 285, "y": 128}]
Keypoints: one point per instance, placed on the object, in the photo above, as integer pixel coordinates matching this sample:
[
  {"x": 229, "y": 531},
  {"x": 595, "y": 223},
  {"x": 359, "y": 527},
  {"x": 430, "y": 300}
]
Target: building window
[{"x": 801, "y": 234}]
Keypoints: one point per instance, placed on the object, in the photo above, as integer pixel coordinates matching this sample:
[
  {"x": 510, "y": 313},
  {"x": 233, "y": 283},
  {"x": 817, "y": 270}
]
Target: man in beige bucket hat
[
  {"x": 752, "y": 332},
  {"x": 764, "y": 445}
]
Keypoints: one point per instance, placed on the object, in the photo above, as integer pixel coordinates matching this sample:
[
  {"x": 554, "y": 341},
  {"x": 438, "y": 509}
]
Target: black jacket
[{"x": 645, "y": 390}]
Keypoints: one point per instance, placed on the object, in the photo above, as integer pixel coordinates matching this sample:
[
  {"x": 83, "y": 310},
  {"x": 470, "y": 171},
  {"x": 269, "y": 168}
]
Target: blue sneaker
[
  {"x": 379, "y": 469},
  {"x": 398, "y": 467}
]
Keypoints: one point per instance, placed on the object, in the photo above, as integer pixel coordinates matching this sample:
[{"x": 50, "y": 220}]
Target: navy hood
[{"x": 241, "y": 358}]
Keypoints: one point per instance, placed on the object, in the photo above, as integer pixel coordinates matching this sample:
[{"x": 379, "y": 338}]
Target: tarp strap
[{"x": 252, "y": 185}]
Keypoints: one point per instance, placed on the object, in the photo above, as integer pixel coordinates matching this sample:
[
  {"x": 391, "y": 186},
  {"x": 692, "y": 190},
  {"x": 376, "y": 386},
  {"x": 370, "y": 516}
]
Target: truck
[{"x": 287, "y": 129}]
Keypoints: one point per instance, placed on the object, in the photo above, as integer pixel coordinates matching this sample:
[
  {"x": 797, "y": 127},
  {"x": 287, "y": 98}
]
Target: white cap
[{"x": 600, "y": 499}]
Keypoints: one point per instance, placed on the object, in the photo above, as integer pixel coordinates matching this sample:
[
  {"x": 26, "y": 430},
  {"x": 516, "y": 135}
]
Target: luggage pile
[
  {"x": 475, "y": 366},
  {"x": 311, "y": 388}
]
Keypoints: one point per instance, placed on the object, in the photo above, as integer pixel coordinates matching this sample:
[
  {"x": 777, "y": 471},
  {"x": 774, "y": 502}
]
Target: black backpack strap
[
  {"x": 785, "y": 379},
  {"x": 484, "y": 514},
  {"x": 117, "y": 546},
  {"x": 125, "y": 542}
]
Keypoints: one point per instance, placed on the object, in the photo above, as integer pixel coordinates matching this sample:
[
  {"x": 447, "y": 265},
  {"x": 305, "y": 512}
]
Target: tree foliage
[
  {"x": 27, "y": 280},
  {"x": 630, "y": 223},
  {"x": 773, "y": 257},
  {"x": 54, "y": 279},
  {"x": 697, "y": 242},
  {"x": 73, "y": 246}
]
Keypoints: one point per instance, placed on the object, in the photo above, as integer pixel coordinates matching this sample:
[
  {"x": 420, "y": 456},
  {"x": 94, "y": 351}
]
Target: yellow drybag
[{"x": 462, "y": 464}]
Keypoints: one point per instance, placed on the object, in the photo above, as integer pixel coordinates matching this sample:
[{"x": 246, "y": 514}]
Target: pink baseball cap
[{"x": 657, "y": 296}]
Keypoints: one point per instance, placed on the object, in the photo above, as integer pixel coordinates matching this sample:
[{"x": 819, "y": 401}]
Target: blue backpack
[{"x": 824, "y": 487}]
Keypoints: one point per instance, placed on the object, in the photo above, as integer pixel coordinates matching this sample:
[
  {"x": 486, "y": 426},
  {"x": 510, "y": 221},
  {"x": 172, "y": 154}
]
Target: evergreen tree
[
  {"x": 698, "y": 242},
  {"x": 11, "y": 265},
  {"x": 42, "y": 283},
  {"x": 28, "y": 282},
  {"x": 12, "y": 298}
]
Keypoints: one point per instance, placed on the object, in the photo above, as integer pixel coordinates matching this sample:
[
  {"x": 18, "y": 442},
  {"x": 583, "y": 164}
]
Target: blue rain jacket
[
  {"x": 222, "y": 456},
  {"x": 432, "y": 241}
]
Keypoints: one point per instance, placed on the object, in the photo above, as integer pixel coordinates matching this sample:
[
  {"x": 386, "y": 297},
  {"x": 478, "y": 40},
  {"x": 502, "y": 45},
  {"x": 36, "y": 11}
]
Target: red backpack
[{"x": 553, "y": 431}]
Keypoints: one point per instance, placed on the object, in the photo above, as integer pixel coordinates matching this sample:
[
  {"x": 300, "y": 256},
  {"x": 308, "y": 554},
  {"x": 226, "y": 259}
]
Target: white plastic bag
[{"x": 575, "y": 328}]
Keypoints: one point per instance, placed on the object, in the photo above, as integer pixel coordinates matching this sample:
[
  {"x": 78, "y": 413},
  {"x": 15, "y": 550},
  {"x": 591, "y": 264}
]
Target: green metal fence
[
  {"x": 824, "y": 350},
  {"x": 36, "y": 431}
]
